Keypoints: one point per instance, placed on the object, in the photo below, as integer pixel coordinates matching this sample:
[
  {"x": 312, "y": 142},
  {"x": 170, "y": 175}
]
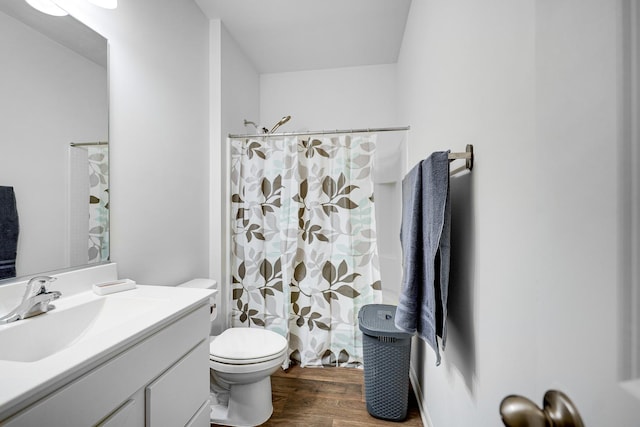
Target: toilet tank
[{"x": 205, "y": 284}]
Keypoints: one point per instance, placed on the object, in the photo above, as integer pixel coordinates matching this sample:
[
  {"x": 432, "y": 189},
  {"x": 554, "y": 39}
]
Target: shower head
[{"x": 282, "y": 121}]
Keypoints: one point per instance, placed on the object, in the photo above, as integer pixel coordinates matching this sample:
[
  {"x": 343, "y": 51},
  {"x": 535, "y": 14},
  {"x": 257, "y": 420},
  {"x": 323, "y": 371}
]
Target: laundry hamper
[{"x": 387, "y": 352}]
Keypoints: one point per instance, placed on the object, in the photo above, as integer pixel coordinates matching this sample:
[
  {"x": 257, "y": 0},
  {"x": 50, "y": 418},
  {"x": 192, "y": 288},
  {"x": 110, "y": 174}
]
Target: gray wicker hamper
[{"x": 387, "y": 352}]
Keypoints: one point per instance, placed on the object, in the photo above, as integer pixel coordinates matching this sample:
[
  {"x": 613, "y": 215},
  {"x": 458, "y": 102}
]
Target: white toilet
[{"x": 241, "y": 362}]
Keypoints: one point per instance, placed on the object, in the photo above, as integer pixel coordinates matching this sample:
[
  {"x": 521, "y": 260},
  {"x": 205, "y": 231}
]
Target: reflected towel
[
  {"x": 9, "y": 229},
  {"x": 425, "y": 237}
]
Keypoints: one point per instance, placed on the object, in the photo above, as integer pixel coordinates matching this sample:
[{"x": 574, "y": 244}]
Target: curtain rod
[
  {"x": 322, "y": 132},
  {"x": 467, "y": 155},
  {"x": 84, "y": 144}
]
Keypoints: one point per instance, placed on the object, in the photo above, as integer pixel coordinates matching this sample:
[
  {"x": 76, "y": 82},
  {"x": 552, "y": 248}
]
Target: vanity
[{"x": 134, "y": 358}]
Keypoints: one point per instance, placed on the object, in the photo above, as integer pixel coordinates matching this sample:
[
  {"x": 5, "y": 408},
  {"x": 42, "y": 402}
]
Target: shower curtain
[
  {"x": 98, "y": 203},
  {"x": 303, "y": 242}
]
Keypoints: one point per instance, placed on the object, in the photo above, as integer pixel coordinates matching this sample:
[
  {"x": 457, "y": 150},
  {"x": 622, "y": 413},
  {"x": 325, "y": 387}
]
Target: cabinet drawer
[{"x": 122, "y": 417}]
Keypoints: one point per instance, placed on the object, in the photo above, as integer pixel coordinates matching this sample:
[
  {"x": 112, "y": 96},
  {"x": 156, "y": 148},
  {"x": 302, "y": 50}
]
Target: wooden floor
[{"x": 326, "y": 397}]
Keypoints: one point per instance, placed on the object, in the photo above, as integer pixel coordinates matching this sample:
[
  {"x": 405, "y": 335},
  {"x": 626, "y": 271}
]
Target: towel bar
[{"x": 467, "y": 156}]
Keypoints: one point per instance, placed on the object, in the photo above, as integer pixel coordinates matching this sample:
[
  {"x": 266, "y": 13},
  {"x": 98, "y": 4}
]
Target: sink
[
  {"x": 73, "y": 321},
  {"x": 86, "y": 332}
]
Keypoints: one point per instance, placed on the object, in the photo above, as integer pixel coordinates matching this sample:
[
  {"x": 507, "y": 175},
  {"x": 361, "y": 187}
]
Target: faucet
[{"x": 36, "y": 300}]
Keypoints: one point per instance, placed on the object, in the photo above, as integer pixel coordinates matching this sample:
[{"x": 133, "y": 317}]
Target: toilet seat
[{"x": 245, "y": 346}]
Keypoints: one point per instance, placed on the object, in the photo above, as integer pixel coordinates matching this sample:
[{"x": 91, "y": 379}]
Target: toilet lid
[{"x": 242, "y": 345}]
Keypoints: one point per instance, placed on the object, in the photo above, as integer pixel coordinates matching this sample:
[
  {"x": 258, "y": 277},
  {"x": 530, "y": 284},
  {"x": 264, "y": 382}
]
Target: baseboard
[{"x": 415, "y": 384}]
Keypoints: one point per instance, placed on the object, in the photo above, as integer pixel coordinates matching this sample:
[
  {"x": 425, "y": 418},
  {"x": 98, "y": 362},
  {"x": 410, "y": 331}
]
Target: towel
[
  {"x": 9, "y": 229},
  {"x": 425, "y": 236}
]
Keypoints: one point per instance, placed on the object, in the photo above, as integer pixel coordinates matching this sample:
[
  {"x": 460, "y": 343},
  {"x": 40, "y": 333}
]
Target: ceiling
[{"x": 296, "y": 35}]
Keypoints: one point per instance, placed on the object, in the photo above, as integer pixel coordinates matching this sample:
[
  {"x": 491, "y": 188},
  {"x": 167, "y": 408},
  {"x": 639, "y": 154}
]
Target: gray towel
[
  {"x": 9, "y": 229},
  {"x": 425, "y": 236}
]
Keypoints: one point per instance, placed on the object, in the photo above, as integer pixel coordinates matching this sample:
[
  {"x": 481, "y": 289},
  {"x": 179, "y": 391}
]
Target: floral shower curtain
[
  {"x": 98, "y": 159},
  {"x": 304, "y": 257}
]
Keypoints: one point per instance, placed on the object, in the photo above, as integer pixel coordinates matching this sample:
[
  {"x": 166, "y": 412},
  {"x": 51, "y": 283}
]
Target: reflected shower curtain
[
  {"x": 304, "y": 257},
  {"x": 98, "y": 203}
]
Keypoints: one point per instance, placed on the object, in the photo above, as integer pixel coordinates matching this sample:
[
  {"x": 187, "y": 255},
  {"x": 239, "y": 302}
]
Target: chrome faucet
[{"x": 36, "y": 300}]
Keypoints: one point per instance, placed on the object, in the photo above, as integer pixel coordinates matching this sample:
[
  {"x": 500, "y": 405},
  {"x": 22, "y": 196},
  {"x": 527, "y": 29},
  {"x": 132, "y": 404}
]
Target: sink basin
[{"x": 70, "y": 323}]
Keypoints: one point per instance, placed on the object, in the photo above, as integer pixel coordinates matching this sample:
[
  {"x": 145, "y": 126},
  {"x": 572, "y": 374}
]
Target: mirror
[{"x": 54, "y": 211}]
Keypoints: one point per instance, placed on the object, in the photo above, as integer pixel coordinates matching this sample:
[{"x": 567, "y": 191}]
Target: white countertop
[{"x": 148, "y": 309}]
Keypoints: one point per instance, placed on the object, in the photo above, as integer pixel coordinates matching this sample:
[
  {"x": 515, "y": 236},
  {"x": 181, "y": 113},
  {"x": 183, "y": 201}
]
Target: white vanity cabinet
[{"x": 159, "y": 379}]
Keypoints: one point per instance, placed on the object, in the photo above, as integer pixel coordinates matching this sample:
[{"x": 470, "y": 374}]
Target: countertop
[{"x": 149, "y": 308}]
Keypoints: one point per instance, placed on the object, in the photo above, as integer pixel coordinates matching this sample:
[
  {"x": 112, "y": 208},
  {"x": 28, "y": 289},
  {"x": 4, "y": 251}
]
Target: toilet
[{"x": 241, "y": 361}]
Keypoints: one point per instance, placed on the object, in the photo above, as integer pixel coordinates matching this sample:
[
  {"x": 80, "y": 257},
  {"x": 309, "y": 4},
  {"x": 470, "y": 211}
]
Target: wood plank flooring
[{"x": 326, "y": 397}]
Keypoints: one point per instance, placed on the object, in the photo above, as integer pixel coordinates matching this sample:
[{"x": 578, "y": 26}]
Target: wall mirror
[{"x": 54, "y": 173}]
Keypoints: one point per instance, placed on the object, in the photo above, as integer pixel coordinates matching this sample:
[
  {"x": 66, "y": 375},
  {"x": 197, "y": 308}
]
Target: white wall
[
  {"x": 159, "y": 136},
  {"x": 234, "y": 97},
  {"x": 533, "y": 293},
  {"x": 240, "y": 88},
  {"x": 51, "y": 96},
  {"x": 342, "y": 98}
]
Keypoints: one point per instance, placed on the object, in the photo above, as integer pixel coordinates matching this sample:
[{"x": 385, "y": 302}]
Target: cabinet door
[{"x": 178, "y": 394}]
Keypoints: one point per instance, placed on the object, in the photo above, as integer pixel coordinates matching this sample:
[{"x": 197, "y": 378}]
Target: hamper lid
[{"x": 379, "y": 320}]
